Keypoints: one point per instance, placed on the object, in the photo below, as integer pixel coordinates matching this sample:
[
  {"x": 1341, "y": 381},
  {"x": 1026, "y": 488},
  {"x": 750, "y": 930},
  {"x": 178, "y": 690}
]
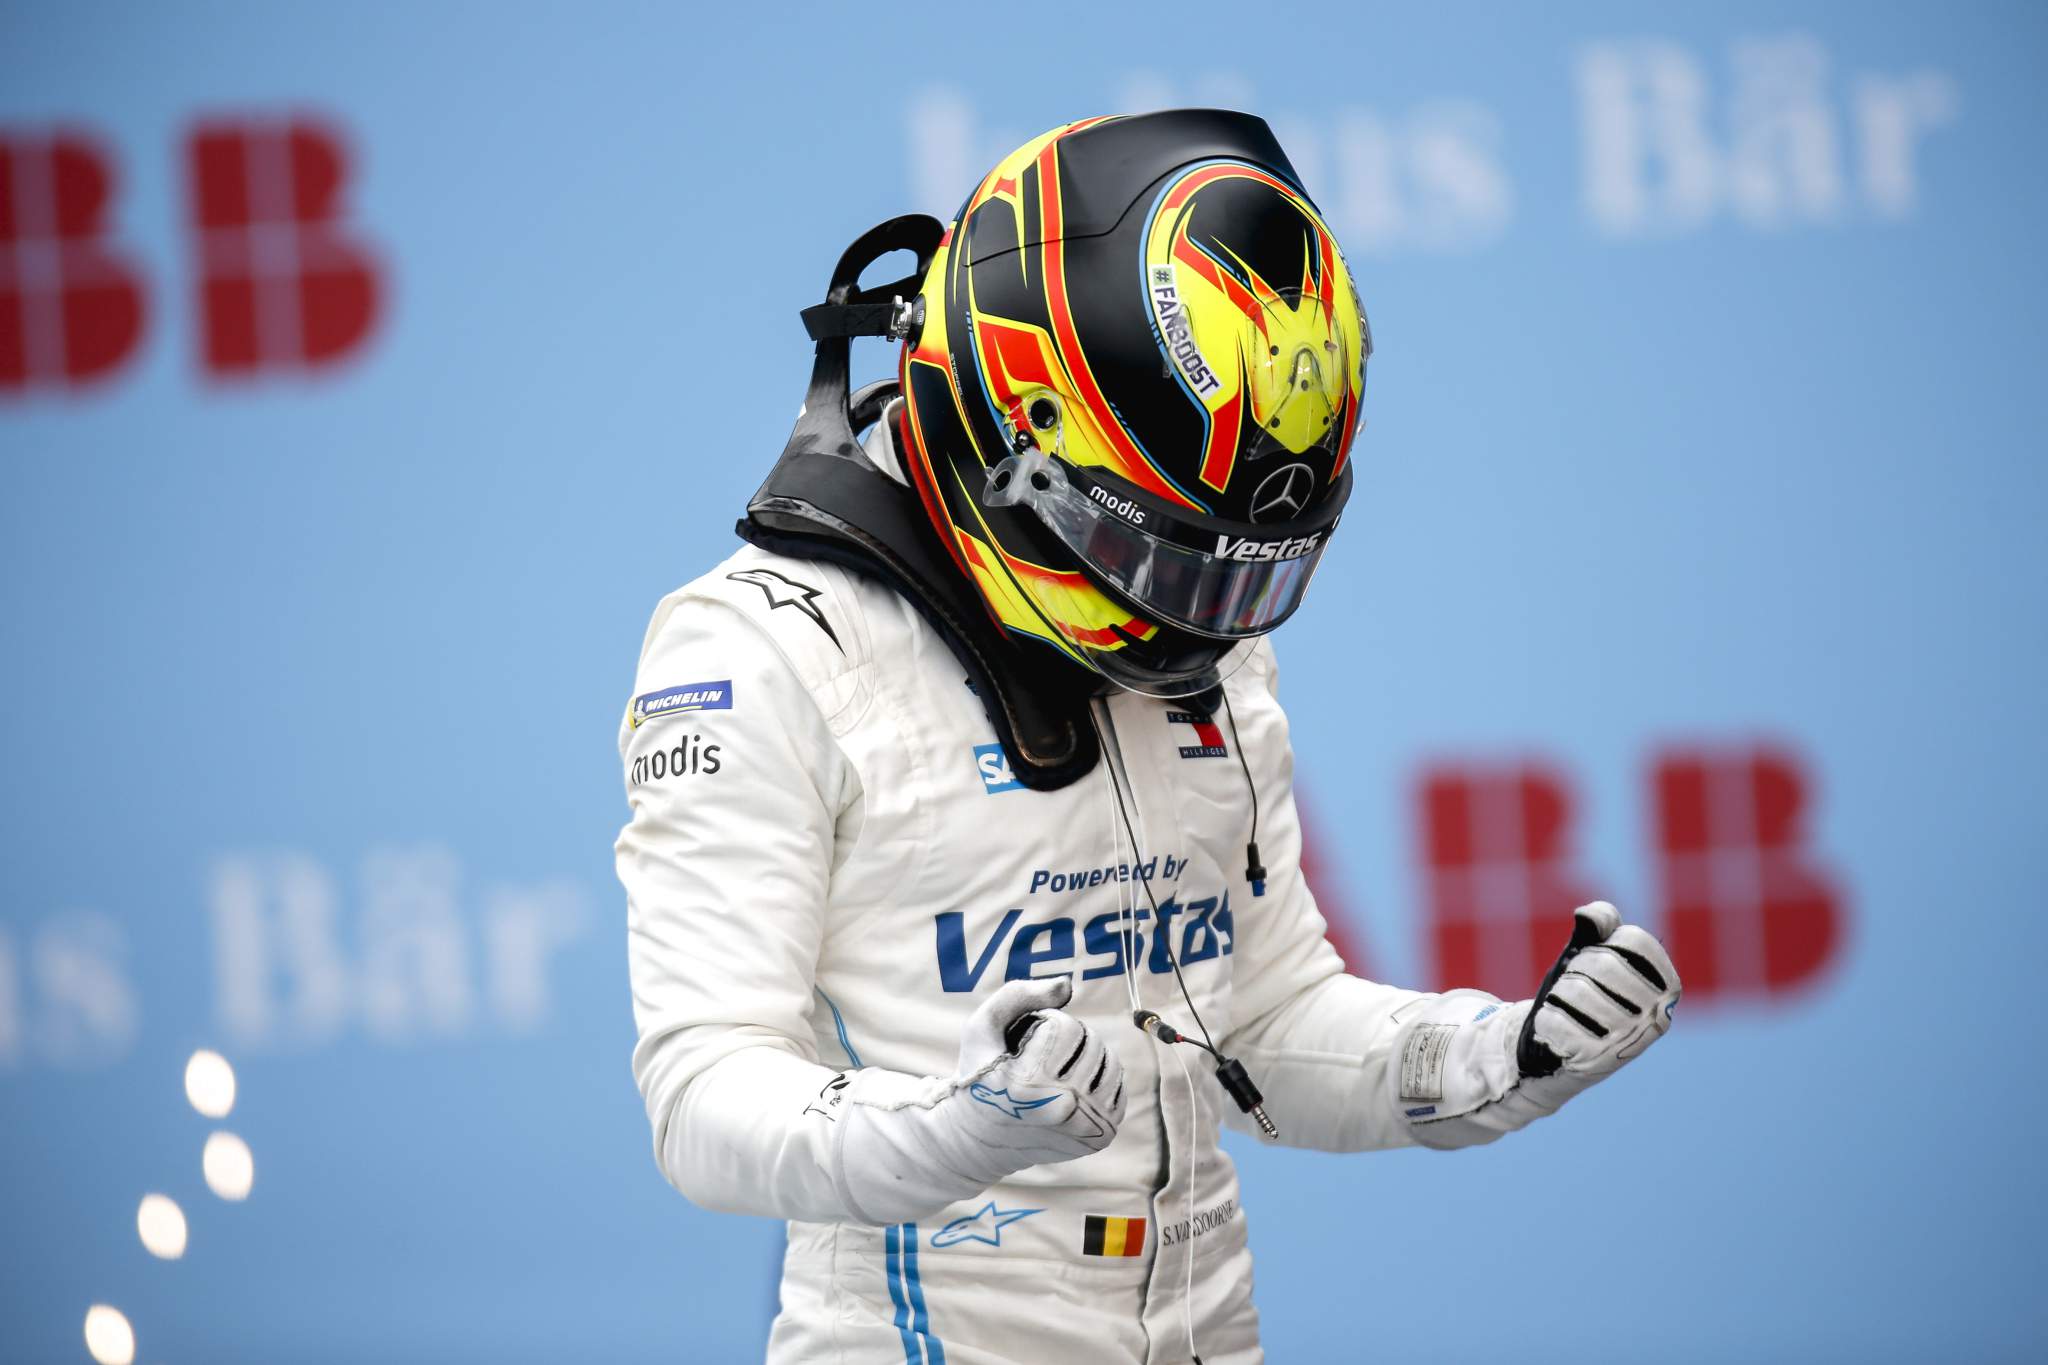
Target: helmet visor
[{"x": 1212, "y": 577}]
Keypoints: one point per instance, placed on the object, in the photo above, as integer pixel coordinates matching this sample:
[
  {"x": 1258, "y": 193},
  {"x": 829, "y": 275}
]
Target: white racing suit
[{"x": 830, "y": 864}]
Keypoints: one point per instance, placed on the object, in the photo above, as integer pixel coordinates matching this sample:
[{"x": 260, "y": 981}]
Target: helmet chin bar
[
  {"x": 1214, "y": 580},
  {"x": 1115, "y": 664},
  {"x": 1031, "y": 474}
]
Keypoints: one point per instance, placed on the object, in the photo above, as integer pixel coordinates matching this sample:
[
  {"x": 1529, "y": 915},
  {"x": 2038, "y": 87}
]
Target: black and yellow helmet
[{"x": 1130, "y": 402}]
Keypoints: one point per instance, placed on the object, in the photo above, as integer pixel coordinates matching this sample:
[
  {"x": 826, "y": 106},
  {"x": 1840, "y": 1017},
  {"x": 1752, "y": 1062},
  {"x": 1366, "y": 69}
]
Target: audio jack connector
[
  {"x": 1238, "y": 1082},
  {"x": 1230, "y": 1072}
]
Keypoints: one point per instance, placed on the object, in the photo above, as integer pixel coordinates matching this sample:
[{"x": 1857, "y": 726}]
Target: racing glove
[
  {"x": 1051, "y": 1090},
  {"x": 1473, "y": 1068}
]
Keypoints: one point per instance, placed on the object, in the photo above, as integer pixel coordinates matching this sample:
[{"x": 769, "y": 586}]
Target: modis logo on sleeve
[{"x": 698, "y": 696}]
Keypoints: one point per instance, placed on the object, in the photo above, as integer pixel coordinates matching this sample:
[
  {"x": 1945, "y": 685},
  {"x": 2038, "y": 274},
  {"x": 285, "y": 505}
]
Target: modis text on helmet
[{"x": 1126, "y": 508}]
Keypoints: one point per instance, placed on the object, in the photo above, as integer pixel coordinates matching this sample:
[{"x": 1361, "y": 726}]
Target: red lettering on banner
[
  {"x": 1344, "y": 929},
  {"x": 1744, "y": 910},
  {"x": 70, "y": 310},
  {"x": 280, "y": 287},
  {"x": 1497, "y": 856}
]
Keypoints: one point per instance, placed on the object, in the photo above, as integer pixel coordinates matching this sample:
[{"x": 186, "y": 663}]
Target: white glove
[
  {"x": 909, "y": 1146},
  {"x": 1608, "y": 998}
]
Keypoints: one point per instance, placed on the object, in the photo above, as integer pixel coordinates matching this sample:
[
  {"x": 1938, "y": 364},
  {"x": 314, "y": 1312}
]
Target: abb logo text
[
  {"x": 279, "y": 284},
  {"x": 281, "y": 287},
  {"x": 1745, "y": 910},
  {"x": 1500, "y": 883},
  {"x": 71, "y": 308}
]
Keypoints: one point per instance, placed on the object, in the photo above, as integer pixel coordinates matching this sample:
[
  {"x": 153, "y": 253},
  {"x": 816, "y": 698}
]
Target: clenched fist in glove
[
  {"x": 1609, "y": 996},
  {"x": 1472, "y": 1069},
  {"x": 908, "y": 1146}
]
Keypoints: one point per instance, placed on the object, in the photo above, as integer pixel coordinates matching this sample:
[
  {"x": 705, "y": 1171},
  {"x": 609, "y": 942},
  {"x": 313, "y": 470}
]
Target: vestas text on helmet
[{"x": 1255, "y": 551}]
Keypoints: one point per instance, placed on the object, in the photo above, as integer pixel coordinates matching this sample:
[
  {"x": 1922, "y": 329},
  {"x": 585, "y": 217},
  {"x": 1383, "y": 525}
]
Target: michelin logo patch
[{"x": 698, "y": 696}]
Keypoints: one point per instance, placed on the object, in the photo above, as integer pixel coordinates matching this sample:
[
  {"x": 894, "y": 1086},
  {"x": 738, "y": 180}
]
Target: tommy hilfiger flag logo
[
  {"x": 1113, "y": 1237},
  {"x": 1211, "y": 738}
]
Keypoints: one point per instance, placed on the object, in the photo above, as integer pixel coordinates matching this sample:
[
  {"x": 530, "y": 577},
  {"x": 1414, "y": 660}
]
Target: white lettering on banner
[
  {"x": 1663, "y": 152},
  {"x": 523, "y": 929},
  {"x": 88, "y": 1013},
  {"x": 273, "y": 917},
  {"x": 1430, "y": 181},
  {"x": 294, "y": 970},
  {"x": 1891, "y": 115},
  {"x": 10, "y": 1005},
  {"x": 1656, "y": 164},
  {"x": 949, "y": 151},
  {"x": 1643, "y": 105},
  {"x": 1144, "y": 90},
  {"x": 286, "y": 978},
  {"x": 414, "y": 979},
  {"x": 67, "y": 1001},
  {"x": 1783, "y": 162}
]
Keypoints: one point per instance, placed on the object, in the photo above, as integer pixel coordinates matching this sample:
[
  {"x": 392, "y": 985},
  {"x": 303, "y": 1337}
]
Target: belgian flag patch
[{"x": 1113, "y": 1237}]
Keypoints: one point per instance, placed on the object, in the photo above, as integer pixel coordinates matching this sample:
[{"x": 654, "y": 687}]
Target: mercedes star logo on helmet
[{"x": 1283, "y": 494}]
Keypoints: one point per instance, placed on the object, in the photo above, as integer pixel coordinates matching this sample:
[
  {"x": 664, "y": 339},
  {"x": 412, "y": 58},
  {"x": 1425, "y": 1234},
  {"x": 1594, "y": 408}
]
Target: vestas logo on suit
[{"x": 1204, "y": 927}]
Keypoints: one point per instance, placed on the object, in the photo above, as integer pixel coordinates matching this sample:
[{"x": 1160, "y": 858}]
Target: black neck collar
[{"x": 826, "y": 500}]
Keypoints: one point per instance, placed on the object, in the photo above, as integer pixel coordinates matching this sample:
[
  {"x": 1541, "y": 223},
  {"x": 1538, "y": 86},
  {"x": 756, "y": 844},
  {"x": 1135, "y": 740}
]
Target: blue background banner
[{"x": 366, "y": 374}]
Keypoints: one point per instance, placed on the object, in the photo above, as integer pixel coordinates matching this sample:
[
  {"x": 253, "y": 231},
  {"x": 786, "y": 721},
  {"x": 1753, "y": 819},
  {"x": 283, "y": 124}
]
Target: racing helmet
[{"x": 1133, "y": 375}]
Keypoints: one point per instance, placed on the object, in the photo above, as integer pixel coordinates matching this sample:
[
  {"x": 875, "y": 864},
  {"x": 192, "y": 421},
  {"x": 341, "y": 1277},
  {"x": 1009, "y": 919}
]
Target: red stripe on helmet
[
  {"x": 1136, "y": 466},
  {"x": 1182, "y": 189},
  {"x": 1219, "y": 457}
]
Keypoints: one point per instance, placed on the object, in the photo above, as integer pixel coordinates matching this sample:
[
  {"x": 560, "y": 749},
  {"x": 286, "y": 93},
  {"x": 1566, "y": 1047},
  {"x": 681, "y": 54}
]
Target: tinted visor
[{"x": 1212, "y": 577}]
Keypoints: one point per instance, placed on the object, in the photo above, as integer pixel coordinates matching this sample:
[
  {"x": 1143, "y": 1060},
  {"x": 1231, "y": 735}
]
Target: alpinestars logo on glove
[{"x": 1003, "y": 1102}]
